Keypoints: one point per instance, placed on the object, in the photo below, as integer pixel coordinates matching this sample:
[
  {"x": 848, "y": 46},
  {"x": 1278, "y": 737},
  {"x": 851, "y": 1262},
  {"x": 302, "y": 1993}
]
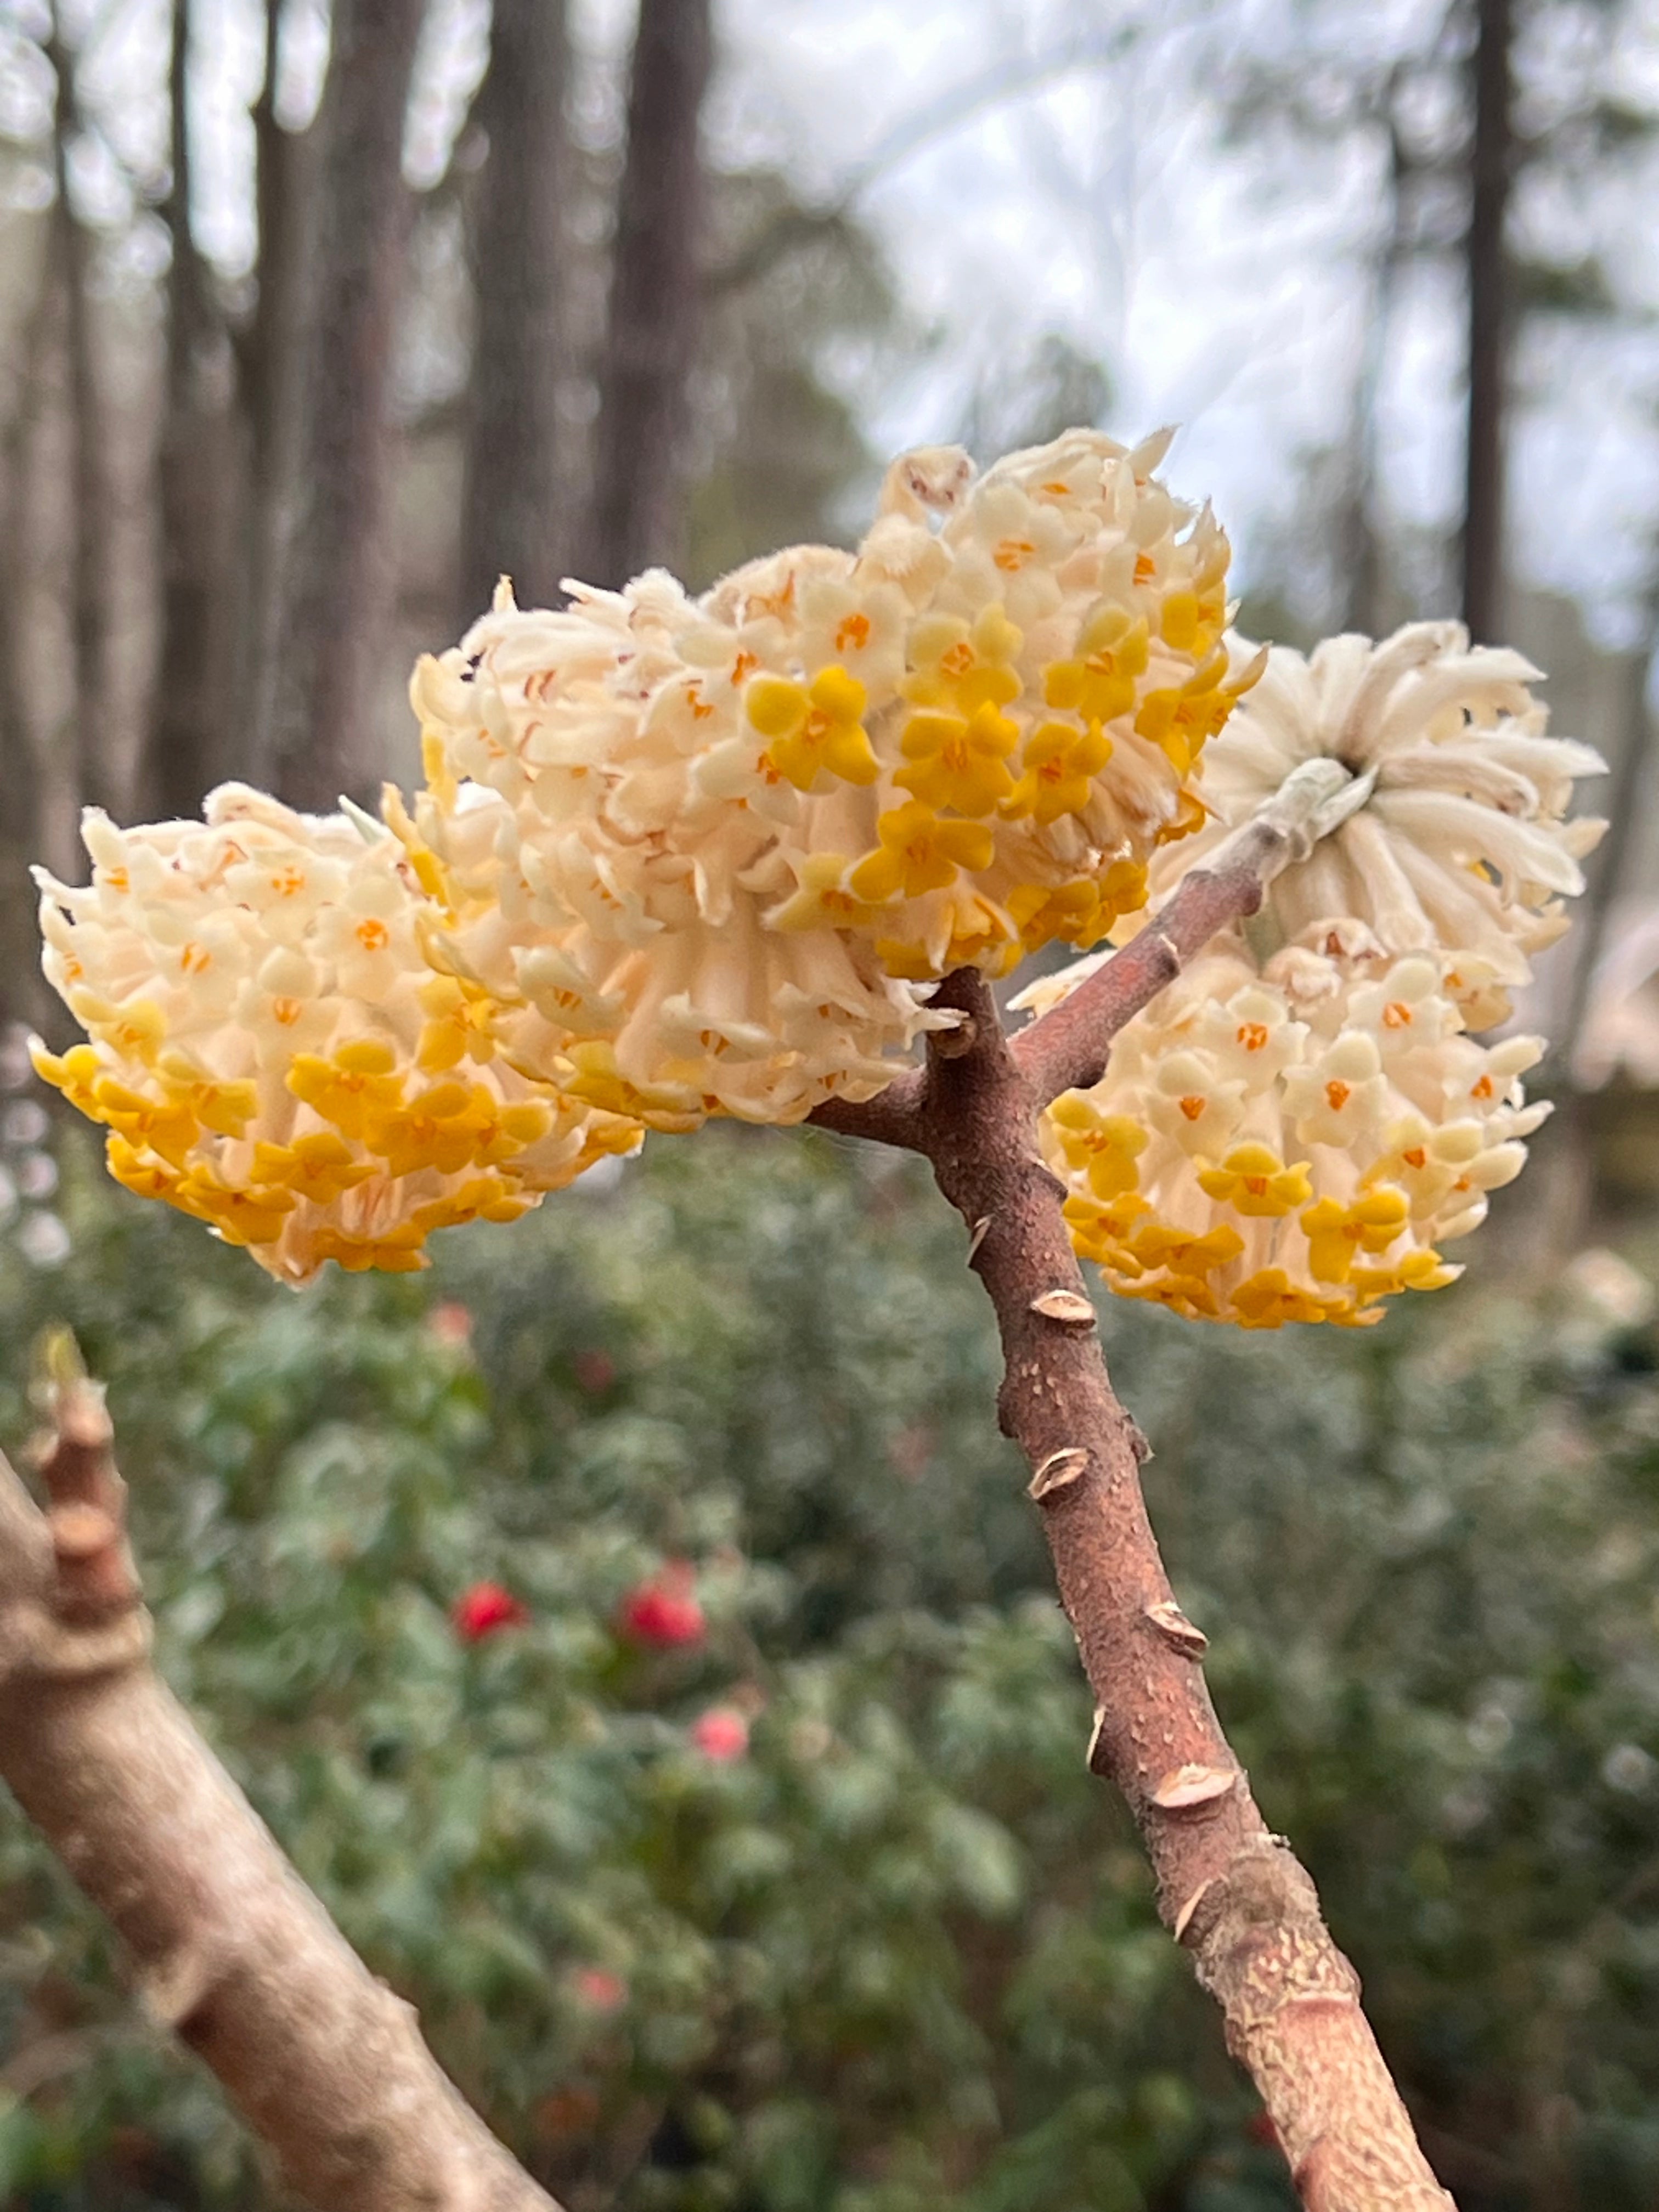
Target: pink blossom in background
[
  {"x": 721, "y": 1733},
  {"x": 599, "y": 1989},
  {"x": 451, "y": 1324}
]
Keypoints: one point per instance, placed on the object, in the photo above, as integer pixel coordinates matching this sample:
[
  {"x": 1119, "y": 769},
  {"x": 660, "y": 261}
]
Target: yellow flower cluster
[
  {"x": 271, "y": 1051},
  {"x": 1292, "y": 1144},
  {"x": 708, "y": 856}
]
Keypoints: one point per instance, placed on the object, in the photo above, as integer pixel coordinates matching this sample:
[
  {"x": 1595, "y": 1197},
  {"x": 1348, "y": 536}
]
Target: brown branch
[
  {"x": 1065, "y": 1048},
  {"x": 1233, "y": 1894},
  {"x": 233, "y": 1952}
]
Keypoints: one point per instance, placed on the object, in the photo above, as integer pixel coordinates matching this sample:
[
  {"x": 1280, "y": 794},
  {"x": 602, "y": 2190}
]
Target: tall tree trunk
[
  {"x": 1361, "y": 540},
  {"x": 1490, "y": 172},
  {"x": 87, "y": 737},
  {"x": 195, "y": 483},
  {"x": 651, "y": 338},
  {"x": 22, "y": 839},
  {"x": 270, "y": 367},
  {"x": 334, "y": 582},
  {"x": 512, "y": 516}
]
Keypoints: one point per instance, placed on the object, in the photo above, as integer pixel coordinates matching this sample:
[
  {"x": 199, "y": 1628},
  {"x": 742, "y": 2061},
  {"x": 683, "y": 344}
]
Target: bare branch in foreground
[
  {"x": 233, "y": 1952},
  {"x": 1233, "y": 1895}
]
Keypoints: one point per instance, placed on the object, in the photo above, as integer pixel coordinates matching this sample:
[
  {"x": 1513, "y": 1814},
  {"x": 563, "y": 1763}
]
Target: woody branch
[
  {"x": 1233, "y": 1894},
  {"x": 231, "y": 1951}
]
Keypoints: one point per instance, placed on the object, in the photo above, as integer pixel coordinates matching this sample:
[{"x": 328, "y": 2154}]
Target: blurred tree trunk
[
  {"x": 512, "y": 517},
  {"x": 271, "y": 363},
  {"x": 333, "y": 573},
  {"x": 1361, "y": 540},
  {"x": 84, "y": 764},
  {"x": 1488, "y": 309},
  {"x": 22, "y": 825},
  {"x": 655, "y": 282},
  {"x": 195, "y": 485}
]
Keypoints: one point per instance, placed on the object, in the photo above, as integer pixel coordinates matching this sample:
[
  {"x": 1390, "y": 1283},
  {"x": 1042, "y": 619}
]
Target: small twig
[
  {"x": 232, "y": 1951},
  {"x": 1065, "y": 1048}
]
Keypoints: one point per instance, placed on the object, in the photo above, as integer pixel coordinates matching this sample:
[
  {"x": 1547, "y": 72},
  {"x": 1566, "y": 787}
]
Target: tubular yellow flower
[
  {"x": 272, "y": 1052},
  {"x": 1291, "y": 1144}
]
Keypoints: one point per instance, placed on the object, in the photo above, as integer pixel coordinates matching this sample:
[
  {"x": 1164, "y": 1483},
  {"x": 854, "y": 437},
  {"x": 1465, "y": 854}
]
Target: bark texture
[
  {"x": 655, "y": 283},
  {"x": 232, "y": 1951},
  {"x": 335, "y": 580},
  {"x": 1488, "y": 309},
  {"x": 512, "y": 520},
  {"x": 1232, "y": 1894}
]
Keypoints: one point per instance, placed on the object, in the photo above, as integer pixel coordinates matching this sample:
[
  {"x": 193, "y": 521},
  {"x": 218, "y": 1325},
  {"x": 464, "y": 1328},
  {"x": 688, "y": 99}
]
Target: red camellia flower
[
  {"x": 664, "y": 1611},
  {"x": 485, "y": 1608},
  {"x": 721, "y": 1733}
]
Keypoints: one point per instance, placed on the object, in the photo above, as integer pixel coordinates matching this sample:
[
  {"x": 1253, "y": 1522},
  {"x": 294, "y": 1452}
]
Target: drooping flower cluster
[
  {"x": 1294, "y": 1141},
  {"x": 706, "y": 855},
  {"x": 1294, "y": 1144},
  {"x": 272, "y": 1052},
  {"x": 1463, "y": 844}
]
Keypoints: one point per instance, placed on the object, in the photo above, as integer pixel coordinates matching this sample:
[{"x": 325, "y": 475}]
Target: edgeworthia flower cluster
[
  {"x": 679, "y": 856},
  {"x": 1292, "y": 1131},
  {"x": 707, "y": 856},
  {"x": 271, "y": 1051}
]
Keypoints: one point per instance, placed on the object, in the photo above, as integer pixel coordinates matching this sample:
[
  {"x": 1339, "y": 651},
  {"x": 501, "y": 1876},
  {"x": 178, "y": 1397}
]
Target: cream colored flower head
[
  {"x": 1295, "y": 1144},
  {"x": 272, "y": 1052},
  {"x": 708, "y": 856},
  {"x": 1463, "y": 845}
]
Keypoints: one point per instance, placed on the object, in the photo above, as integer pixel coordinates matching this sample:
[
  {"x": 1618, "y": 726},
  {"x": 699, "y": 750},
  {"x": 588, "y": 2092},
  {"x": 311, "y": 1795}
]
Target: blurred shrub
[{"x": 870, "y": 1941}]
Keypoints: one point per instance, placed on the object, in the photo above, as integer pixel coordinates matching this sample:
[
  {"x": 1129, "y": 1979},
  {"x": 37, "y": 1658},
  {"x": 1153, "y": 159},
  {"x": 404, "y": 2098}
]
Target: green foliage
[{"x": 901, "y": 1955}]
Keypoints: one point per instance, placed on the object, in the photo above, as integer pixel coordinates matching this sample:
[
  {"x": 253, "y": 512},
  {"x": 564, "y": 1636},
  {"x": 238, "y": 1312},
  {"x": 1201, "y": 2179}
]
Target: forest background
[{"x": 746, "y": 1858}]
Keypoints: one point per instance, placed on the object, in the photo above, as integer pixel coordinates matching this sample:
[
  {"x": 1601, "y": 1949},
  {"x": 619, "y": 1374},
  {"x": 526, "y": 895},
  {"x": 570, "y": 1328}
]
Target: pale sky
[{"x": 1075, "y": 179}]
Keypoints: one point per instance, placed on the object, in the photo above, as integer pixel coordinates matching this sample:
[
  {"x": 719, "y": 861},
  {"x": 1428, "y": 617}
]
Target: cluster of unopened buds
[{"x": 679, "y": 857}]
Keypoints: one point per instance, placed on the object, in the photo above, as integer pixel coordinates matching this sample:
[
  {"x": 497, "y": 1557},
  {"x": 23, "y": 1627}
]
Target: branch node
[
  {"x": 1185, "y": 1788},
  {"x": 1173, "y": 1625},
  {"x": 1183, "y": 1919},
  {"x": 1057, "y": 1472},
  {"x": 1097, "y": 1760},
  {"x": 955, "y": 1043},
  {"x": 1069, "y": 1308},
  {"x": 80, "y": 1531},
  {"x": 173, "y": 1991},
  {"x": 1139, "y": 1444},
  {"x": 981, "y": 1230}
]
